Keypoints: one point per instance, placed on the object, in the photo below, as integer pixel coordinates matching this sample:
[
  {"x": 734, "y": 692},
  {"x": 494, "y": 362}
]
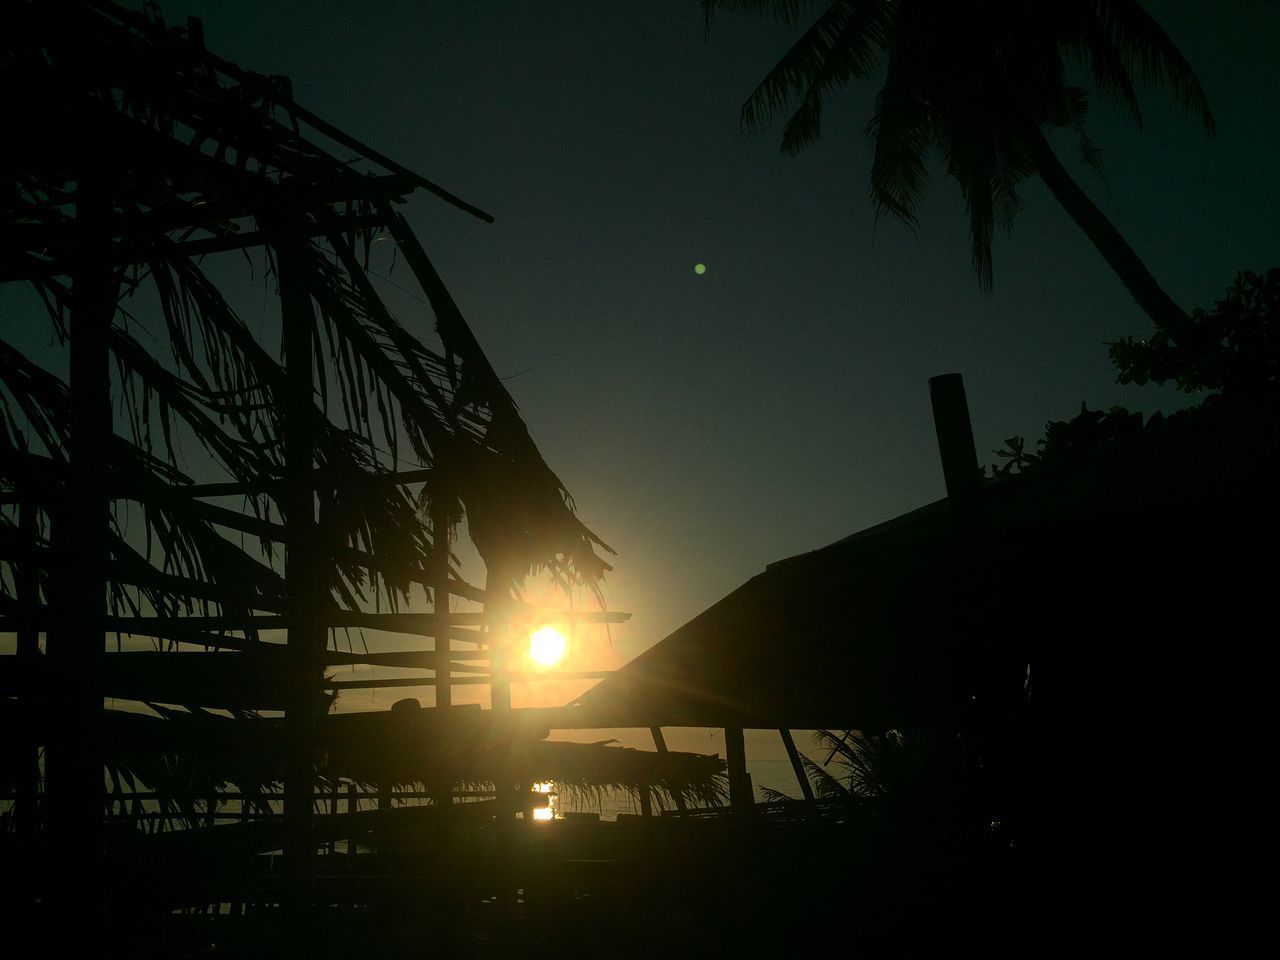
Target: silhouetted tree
[
  {"x": 979, "y": 83},
  {"x": 1234, "y": 348},
  {"x": 1231, "y": 351}
]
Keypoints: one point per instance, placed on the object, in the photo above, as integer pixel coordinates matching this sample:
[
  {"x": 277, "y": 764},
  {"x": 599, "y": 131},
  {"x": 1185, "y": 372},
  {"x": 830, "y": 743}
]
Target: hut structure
[
  {"x": 1053, "y": 627},
  {"x": 1084, "y": 635},
  {"x": 200, "y": 515}
]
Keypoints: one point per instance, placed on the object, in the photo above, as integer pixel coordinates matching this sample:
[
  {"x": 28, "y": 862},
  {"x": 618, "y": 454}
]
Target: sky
[{"x": 710, "y": 424}]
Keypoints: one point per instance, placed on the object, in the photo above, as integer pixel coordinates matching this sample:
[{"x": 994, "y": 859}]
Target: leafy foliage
[
  {"x": 973, "y": 82},
  {"x": 1230, "y": 352},
  {"x": 1232, "y": 348},
  {"x": 1069, "y": 440}
]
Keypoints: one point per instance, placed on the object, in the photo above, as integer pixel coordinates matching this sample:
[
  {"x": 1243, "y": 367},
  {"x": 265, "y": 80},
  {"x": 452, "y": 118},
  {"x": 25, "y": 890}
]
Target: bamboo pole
[
  {"x": 353, "y": 805},
  {"x": 76, "y": 791},
  {"x": 27, "y": 590},
  {"x": 302, "y": 573},
  {"x": 440, "y": 592},
  {"x": 740, "y": 797}
]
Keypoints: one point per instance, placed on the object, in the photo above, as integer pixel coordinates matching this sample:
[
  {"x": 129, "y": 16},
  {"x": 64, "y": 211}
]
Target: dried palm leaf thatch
[
  {"x": 183, "y": 748},
  {"x": 206, "y": 157}
]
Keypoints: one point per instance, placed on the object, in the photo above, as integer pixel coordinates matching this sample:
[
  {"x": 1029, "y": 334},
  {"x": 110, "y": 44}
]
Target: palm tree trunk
[{"x": 1133, "y": 273}]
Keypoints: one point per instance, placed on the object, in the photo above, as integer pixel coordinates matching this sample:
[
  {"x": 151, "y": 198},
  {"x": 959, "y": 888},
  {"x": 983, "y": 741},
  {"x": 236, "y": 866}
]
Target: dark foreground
[{"x": 789, "y": 879}]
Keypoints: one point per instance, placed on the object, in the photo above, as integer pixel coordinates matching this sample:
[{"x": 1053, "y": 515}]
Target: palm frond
[
  {"x": 841, "y": 45},
  {"x": 1141, "y": 44},
  {"x": 787, "y": 12}
]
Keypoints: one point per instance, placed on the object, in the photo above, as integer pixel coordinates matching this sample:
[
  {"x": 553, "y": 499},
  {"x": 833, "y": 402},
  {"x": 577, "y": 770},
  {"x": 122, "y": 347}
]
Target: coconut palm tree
[{"x": 980, "y": 83}]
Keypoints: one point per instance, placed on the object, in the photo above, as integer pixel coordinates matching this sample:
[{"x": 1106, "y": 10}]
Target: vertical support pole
[
  {"x": 75, "y": 789},
  {"x": 27, "y": 591},
  {"x": 990, "y": 691},
  {"x": 353, "y": 805},
  {"x": 735, "y": 746},
  {"x": 500, "y": 701},
  {"x": 499, "y": 643},
  {"x": 440, "y": 593},
  {"x": 334, "y": 790},
  {"x": 959, "y": 457},
  {"x": 497, "y": 584},
  {"x": 382, "y": 833},
  {"x": 794, "y": 756},
  {"x": 443, "y": 788},
  {"x": 302, "y": 560},
  {"x": 506, "y": 796},
  {"x": 660, "y": 744}
]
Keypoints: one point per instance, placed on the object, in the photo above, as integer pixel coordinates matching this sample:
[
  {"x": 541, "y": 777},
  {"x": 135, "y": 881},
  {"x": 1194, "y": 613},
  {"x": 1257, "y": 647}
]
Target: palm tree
[{"x": 979, "y": 83}]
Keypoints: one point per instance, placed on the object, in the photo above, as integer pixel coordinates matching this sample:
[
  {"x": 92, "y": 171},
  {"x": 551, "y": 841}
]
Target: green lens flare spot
[{"x": 699, "y": 268}]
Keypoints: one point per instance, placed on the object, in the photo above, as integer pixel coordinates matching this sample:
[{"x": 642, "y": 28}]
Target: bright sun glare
[{"x": 547, "y": 646}]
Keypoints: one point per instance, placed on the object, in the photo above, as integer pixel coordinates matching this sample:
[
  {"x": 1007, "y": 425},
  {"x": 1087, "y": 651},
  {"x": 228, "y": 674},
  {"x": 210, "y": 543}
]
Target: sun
[{"x": 547, "y": 646}]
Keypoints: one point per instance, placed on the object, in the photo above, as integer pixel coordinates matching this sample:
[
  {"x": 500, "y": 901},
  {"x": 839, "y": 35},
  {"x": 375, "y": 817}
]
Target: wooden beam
[
  {"x": 30, "y": 268},
  {"x": 466, "y": 680},
  {"x": 415, "y": 623},
  {"x": 740, "y": 794},
  {"x": 329, "y": 130}
]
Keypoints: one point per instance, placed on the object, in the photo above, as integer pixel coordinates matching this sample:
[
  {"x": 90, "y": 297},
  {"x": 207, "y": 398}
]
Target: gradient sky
[{"x": 708, "y": 425}]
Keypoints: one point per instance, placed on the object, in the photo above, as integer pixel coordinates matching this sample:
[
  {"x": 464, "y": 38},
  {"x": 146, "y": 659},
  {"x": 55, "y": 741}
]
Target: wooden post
[
  {"x": 443, "y": 788},
  {"x": 440, "y": 592},
  {"x": 27, "y": 592},
  {"x": 382, "y": 834},
  {"x": 794, "y": 756},
  {"x": 506, "y": 798},
  {"x": 302, "y": 560},
  {"x": 499, "y": 644},
  {"x": 75, "y": 789},
  {"x": 353, "y": 804},
  {"x": 740, "y": 797},
  {"x": 955, "y": 436},
  {"x": 660, "y": 744},
  {"x": 334, "y": 789}
]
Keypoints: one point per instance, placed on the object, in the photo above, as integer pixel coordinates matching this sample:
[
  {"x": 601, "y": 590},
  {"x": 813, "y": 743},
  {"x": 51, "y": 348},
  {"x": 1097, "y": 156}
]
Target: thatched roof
[
  {"x": 1122, "y": 562},
  {"x": 189, "y": 754},
  {"x": 191, "y": 156}
]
